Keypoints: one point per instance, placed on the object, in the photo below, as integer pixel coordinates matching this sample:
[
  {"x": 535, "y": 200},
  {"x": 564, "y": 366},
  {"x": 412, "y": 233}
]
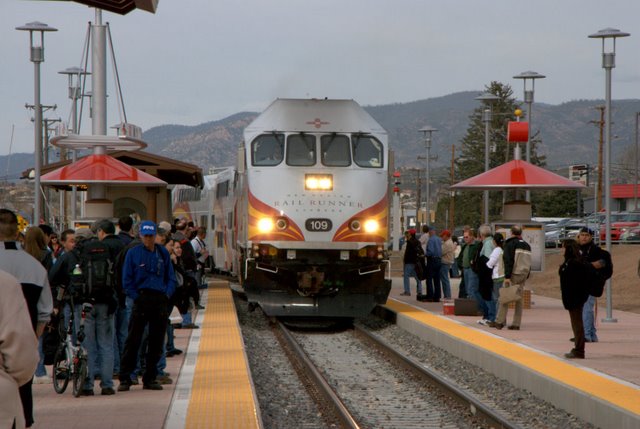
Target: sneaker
[
  {"x": 164, "y": 379},
  {"x": 405, "y": 294},
  {"x": 190, "y": 326},
  {"x": 124, "y": 387},
  {"x": 152, "y": 386},
  {"x": 134, "y": 381},
  {"x": 573, "y": 355},
  {"x": 174, "y": 352},
  {"x": 86, "y": 392},
  {"x": 42, "y": 379},
  {"x": 200, "y": 307},
  {"x": 483, "y": 322},
  {"x": 108, "y": 391}
]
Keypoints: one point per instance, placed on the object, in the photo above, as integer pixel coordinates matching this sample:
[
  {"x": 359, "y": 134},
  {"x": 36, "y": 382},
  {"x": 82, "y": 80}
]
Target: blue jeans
[
  {"x": 410, "y": 271},
  {"x": 455, "y": 272},
  {"x": 444, "y": 280},
  {"x": 472, "y": 285},
  {"x": 588, "y": 319},
  {"x": 98, "y": 327},
  {"x": 433, "y": 278},
  {"x": 40, "y": 369},
  {"x": 493, "y": 304},
  {"x": 121, "y": 322}
]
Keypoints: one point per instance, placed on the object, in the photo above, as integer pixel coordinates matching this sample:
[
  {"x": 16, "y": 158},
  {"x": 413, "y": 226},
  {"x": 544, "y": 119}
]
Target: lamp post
[
  {"x": 37, "y": 56},
  {"x": 608, "y": 63},
  {"x": 427, "y": 132},
  {"x": 635, "y": 163},
  {"x": 528, "y": 99},
  {"x": 488, "y": 99},
  {"x": 73, "y": 75}
]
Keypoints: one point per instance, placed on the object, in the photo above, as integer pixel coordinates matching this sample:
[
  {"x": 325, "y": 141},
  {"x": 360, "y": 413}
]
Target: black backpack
[
  {"x": 93, "y": 276},
  {"x": 598, "y": 278},
  {"x": 475, "y": 260}
]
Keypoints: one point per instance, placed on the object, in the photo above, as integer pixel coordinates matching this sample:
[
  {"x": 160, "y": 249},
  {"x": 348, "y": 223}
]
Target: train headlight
[
  {"x": 371, "y": 226},
  {"x": 265, "y": 225},
  {"x": 318, "y": 182}
]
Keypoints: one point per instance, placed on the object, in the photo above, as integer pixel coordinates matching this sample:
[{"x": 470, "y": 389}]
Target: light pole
[
  {"x": 74, "y": 74},
  {"x": 37, "y": 56},
  {"x": 528, "y": 99},
  {"x": 608, "y": 63},
  {"x": 488, "y": 99},
  {"x": 427, "y": 132},
  {"x": 635, "y": 163}
]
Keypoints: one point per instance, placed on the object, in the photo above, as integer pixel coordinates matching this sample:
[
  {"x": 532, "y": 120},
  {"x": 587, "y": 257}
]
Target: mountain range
[{"x": 569, "y": 133}]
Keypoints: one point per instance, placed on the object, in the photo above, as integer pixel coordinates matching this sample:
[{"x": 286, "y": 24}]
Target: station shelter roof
[
  {"x": 517, "y": 174},
  {"x": 121, "y": 7},
  {"x": 159, "y": 169}
]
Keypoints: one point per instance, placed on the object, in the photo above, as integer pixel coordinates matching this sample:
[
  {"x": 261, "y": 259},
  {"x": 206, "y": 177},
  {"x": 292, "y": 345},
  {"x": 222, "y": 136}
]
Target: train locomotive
[{"x": 311, "y": 218}]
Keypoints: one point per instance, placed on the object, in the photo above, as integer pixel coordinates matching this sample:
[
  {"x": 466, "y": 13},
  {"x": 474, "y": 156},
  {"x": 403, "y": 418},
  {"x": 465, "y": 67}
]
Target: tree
[{"x": 471, "y": 161}]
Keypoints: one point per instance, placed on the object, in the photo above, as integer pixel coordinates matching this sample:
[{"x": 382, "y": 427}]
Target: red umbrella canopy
[
  {"x": 517, "y": 174},
  {"x": 100, "y": 169}
]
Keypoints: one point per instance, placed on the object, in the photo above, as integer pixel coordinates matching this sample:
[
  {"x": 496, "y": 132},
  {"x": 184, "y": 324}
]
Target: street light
[
  {"x": 608, "y": 63},
  {"x": 74, "y": 74},
  {"x": 37, "y": 56},
  {"x": 528, "y": 99},
  {"x": 635, "y": 163},
  {"x": 427, "y": 130},
  {"x": 487, "y": 99}
]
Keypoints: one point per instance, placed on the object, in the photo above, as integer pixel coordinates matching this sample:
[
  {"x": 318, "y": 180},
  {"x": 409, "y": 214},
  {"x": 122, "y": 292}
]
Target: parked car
[
  {"x": 620, "y": 222},
  {"x": 631, "y": 235}
]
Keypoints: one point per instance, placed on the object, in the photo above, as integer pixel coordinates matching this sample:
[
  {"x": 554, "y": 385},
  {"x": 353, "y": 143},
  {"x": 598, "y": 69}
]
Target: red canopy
[
  {"x": 100, "y": 169},
  {"x": 517, "y": 174}
]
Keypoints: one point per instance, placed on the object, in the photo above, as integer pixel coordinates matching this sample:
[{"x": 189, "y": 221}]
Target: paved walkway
[{"x": 546, "y": 327}]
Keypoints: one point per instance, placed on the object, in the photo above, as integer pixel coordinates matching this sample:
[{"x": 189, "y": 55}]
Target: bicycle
[{"x": 70, "y": 362}]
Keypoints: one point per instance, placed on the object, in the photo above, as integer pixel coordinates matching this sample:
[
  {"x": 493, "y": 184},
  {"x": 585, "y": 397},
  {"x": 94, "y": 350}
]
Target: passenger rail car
[
  {"x": 212, "y": 207},
  {"x": 312, "y": 210}
]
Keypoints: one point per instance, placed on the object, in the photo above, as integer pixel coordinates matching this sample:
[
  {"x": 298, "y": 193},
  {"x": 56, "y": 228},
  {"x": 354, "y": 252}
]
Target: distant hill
[{"x": 568, "y": 136}]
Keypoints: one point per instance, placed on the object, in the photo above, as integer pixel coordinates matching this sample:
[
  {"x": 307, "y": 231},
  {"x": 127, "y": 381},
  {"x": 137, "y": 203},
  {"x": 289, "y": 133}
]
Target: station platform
[
  {"x": 604, "y": 388},
  {"x": 211, "y": 386}
]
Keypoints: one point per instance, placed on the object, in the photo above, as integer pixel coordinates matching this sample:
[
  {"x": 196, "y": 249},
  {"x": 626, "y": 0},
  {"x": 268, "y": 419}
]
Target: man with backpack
[
  {"x": 94, "y": 277},
  {"x": 600, "y": 259},
  {"x": 517, "y": 265}
]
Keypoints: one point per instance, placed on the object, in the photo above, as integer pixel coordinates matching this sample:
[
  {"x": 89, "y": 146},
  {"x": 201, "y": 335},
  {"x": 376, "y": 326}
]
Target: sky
[{"x": 195, "y": 61}]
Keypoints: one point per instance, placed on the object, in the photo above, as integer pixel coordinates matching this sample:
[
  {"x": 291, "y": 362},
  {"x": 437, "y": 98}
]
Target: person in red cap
[{"x": 412, "y": 253}]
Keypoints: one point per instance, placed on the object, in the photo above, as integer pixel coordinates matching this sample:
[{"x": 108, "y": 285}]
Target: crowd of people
[
  {"x": 494, "y": 271},
  {"x": 150, "y": 269}
]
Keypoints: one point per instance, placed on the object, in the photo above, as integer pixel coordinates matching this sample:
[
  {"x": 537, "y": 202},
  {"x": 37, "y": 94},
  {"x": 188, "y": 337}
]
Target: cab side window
[
  {"x": 367, "y": 151},
  {"x": 267, "y": 150}
]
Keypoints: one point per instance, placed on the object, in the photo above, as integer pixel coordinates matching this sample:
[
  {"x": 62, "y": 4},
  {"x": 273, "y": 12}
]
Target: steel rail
[
  {"x": 493, "y": 418},
  {"x": 340, "y": 410}
]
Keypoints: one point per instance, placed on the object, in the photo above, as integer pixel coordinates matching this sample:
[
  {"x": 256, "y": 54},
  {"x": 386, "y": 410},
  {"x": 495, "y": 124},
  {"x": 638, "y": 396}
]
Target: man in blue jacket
[{"x": 147, "y": 278}]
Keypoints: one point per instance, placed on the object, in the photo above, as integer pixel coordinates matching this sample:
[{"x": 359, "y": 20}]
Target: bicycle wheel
[
  {"x": 79, "y": 376},
  {"x": 60, "y": 370}
]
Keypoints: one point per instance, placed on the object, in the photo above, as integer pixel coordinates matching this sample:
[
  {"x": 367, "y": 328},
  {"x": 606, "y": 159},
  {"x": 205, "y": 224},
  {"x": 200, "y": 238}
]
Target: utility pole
[
  {"x": 418, "y": 198},
  {"x": 600, "y": 124},
  {"x": 452, "y": 193}
]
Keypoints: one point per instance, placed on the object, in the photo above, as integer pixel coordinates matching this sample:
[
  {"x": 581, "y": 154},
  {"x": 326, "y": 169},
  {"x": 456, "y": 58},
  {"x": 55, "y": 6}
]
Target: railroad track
[{"x": 360, "y": 381}]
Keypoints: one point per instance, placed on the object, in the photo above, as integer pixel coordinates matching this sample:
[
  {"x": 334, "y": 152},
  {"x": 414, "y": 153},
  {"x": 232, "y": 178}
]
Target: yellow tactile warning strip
[
  {"x": 222, "y": 391},
  {"x": 596, "y": 385}
]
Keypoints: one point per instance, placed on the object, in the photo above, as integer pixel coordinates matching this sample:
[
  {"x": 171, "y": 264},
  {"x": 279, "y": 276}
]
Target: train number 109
[{"x": 318, "y": 224}]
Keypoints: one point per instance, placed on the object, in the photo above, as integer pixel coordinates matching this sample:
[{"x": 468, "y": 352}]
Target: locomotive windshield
[
  {"x": 367, "y": 151},
  {"x": 267, "y": 150},
  {"x": 301, "y": 150},
  {"x": 335, "y": 150}
]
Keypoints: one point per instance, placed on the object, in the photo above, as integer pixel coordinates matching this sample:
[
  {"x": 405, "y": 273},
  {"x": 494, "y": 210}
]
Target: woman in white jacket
[
  {"x": 18, "y": 350},
  {"x": 496, "y": 263}
]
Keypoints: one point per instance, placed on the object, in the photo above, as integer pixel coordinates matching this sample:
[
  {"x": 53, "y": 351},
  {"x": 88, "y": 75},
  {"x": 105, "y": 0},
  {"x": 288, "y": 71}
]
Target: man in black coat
[
  {"x": 594, "y": 255},
  {"x": 412, "y": 254}
]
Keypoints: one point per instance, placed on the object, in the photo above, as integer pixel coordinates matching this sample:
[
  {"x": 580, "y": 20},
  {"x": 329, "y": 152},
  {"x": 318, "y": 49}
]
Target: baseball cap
[
  {"x": 147, "y": 228},
  {"x": 412, "y": 231},
  {"x": 587, "y": 230}
]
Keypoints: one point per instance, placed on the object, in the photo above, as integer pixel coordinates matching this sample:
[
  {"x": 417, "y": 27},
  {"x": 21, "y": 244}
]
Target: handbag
[
  {"x": 510, "y": 294},
  {"x": 421, "y": 269}
]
